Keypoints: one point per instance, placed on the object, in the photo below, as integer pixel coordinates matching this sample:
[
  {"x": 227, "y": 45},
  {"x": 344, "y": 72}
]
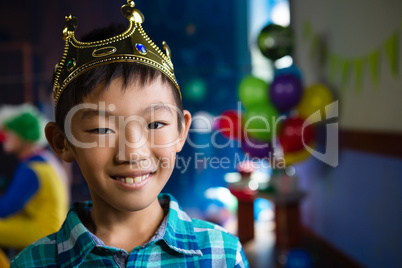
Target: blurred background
[{"x": 336, "y": 202}]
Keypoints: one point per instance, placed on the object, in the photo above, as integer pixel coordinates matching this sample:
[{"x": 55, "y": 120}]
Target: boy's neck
[{"x": 125, "y": 230}]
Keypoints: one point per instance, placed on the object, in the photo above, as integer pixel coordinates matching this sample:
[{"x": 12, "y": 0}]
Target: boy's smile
[{"x": 125, "y": 142}]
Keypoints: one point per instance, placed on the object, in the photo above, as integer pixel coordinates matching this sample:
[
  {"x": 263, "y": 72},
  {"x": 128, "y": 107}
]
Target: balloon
[
  {"x": 292, "y": 135},
  {"x": 253, "y": 91},
  {"x": 293, "y": 70},
  {"x": 256, "y": 148},
  {"x": 275, "y": 41},
  {"x": 195, "y": 90},
  {"x": 295, "y": 157},
  {"x": 230, "y": 124},
  {"x": 259, "y": 121},
  {"x": 286, "y": 92},
  {"x": 315, "y": 98},
  {"x": 298, "y": 258}
]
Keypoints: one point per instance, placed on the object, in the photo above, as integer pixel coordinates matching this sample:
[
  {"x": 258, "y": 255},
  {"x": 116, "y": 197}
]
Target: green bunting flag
[
  {"x": 333, "y": 67},
  {"x": 345, "y": 73},
  {"x": 359, "y": 74},
  {"x": 391, "y": 48},
  {"x": 374, "y": 63},
  {"x": 307, "y": 30},
  {"x": 315, "y": 43}
]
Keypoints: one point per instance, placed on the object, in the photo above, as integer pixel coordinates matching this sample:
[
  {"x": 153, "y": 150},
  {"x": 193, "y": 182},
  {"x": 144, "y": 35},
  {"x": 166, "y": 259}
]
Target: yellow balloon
[{"x": 315, "y": 98}]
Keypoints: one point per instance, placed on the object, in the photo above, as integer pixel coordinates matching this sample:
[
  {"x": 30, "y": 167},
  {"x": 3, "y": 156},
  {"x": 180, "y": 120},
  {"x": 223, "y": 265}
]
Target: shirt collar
[
  {"x": 74, "y": 241},
  {"x": 179, "y": 234}
]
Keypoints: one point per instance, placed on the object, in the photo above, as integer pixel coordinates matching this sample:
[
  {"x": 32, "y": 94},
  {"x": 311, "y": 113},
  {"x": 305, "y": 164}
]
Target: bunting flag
[
  {"x": 391, "y": 48},
  {"x": 315, "y": 46},
  {"x": 333, "y": 66},
  {"x": 345, "y": 73},
  {"x": 374, "y": 62},
  {"x": 359, "y": 74},
  {"x": 307, "y": 30},
  {"x": 342, "y": 69}
]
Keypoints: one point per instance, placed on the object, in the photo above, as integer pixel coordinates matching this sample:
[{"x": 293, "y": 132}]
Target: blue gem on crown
[{"x": 141, "y": 48}]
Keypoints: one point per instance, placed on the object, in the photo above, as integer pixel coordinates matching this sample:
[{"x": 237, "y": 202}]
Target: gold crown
[{"x": 133, "y": 45}]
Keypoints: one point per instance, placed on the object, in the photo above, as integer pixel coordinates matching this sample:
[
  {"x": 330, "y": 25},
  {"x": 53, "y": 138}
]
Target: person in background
[{"x": 36, "y": 200}]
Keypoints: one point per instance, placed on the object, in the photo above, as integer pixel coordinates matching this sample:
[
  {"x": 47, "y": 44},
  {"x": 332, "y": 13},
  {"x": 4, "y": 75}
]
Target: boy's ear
[
  {"x": 184, "y": 131},
  {"x": 58, "y": 142}
]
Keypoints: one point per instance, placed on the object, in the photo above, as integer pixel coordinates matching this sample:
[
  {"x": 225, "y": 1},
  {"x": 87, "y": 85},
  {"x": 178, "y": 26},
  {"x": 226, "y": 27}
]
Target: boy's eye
[
  {"x": 102, "y": 131},
  {"x": 155, "y": 125}
]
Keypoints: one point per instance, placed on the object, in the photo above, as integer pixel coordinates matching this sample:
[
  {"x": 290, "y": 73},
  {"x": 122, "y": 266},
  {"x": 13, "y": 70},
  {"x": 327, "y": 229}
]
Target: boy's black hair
[{"x": 82, "y": 86}]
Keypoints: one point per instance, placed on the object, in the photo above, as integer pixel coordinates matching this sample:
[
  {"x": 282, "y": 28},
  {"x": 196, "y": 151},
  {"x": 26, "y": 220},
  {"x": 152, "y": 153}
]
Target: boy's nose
[{"x": 133, "y": 145}]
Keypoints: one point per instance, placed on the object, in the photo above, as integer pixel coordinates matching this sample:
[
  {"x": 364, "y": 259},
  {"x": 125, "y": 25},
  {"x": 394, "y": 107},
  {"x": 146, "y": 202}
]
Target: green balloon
[
  {"x": 253, "y": 91},
  {"x": 195, "y": 90},
  {"x": 259, "y": 122},
  {"x": 275, "y": 41}
]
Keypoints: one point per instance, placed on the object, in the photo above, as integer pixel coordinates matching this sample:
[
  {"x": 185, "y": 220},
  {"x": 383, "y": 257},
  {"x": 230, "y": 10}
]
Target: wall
[{"x": 355, "y": 206}]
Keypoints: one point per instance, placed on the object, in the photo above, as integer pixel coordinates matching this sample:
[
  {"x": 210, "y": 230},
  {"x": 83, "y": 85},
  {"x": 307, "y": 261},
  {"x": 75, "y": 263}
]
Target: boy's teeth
[{"x": 130, "y": 180}]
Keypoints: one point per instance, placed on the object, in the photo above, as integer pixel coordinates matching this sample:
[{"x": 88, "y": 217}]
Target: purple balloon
[
  {"x": 285, "y": 92},
  {"x": 257, "y": 149}
]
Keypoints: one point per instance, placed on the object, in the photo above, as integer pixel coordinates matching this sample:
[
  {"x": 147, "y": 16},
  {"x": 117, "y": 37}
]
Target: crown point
[
  {"x": 167, "y": 50},
  {"x": 69, "y": 26},
  {"x": 68, "y": 17},
  {"x": 131, "y": 13}
]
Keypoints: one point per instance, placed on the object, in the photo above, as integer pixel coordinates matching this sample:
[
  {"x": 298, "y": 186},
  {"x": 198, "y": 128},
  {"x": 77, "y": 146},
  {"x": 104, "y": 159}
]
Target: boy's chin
[{"x": 137, "y": 205}]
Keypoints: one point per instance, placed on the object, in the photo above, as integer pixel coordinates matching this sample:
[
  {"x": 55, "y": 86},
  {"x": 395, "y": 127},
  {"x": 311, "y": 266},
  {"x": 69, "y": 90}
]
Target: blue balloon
[
  {"x": 293, "y": 70},
  {"x": 298, "y": 258}
]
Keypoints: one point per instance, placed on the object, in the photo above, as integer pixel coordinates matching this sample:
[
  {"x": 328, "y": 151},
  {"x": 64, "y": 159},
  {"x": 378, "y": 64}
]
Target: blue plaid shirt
[{"x": 179, "y": 242}]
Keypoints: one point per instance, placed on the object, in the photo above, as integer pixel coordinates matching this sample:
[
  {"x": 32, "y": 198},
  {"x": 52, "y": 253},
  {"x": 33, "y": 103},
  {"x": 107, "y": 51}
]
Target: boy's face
[{"x": 126, "y": 142}]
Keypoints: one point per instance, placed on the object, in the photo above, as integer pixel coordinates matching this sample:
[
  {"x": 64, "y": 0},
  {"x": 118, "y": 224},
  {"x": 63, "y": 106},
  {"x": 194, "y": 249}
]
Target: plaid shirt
[{"x": 179, "y": 242}]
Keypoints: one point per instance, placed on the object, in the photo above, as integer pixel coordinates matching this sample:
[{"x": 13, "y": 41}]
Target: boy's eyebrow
[
  {"x": 155, "y": 107},
  {"x": 88, "y": 113}
]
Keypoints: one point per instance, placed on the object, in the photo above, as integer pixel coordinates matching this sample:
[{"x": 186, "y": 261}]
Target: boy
[
  {"x": 119, "y": 115},
  {"x": 35, "y": 202}
]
